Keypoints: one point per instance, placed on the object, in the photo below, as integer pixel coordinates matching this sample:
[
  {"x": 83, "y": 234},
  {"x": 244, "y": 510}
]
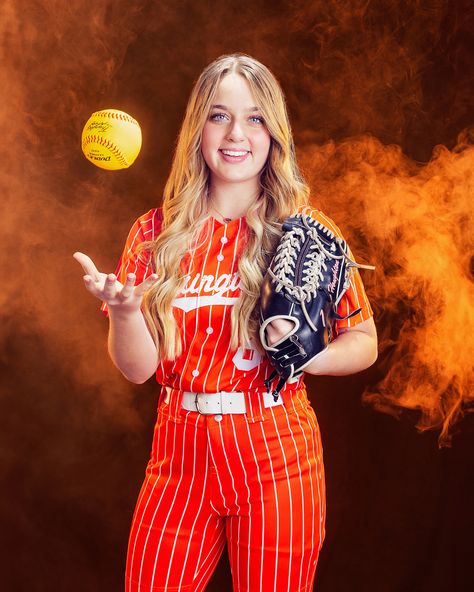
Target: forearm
[
  {"x": 350, "y": 352},
  {"x": 131, "y": 346}
]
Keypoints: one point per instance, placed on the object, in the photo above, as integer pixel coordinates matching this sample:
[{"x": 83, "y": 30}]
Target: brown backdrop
[{"x": 380, "y": 99}]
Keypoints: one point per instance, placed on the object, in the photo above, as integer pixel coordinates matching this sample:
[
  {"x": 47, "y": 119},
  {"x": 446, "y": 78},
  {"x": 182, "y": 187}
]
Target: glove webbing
[{"x": 314, "y": 263}]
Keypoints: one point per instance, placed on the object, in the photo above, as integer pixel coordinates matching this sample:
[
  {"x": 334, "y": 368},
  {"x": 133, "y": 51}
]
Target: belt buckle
[{"x": 196, "y": 397}]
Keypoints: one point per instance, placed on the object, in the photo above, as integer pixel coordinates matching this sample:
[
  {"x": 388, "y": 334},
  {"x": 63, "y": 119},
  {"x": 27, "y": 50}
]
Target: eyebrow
[{"x": 226, "y": 108}]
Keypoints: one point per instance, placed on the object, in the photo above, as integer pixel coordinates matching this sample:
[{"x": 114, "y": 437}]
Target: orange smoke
[
  {"x": 348, "y": 69},
  {"x": 58, "y": 66},
  {"x": 415, "y": 223}
]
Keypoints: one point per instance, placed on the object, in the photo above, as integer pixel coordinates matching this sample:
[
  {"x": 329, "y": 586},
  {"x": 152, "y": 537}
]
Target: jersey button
[
  {"x": 218, "y": 417},
  {"x": 209, "y": 330},
  {"x": 220, "y": 257},
  {"x": 224, "y": 240},
  {"x": 195, "y": 372}
]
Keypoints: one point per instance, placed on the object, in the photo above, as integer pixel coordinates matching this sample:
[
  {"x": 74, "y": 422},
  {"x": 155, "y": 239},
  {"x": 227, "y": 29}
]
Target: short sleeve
[
  {"x": 145, "y": 228},
  {"x": 355, "y": 296}
]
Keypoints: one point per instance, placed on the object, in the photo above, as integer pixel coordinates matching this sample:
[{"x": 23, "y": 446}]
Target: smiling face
[{"x": 235, "y": 141}]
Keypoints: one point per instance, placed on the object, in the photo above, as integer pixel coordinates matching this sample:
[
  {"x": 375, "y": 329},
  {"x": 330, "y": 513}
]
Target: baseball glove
[{"x": 305, "y": 282}]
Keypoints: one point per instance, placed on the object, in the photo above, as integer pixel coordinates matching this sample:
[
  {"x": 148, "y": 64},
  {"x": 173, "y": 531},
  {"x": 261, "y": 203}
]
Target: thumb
[{"x": 87, "y": 265}]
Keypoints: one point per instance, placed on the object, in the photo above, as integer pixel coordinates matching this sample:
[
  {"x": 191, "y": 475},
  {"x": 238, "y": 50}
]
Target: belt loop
[
  {"x": 174, "y": 409},
  {"x": 254, "y": 404},
  {"x": 162, "y": 395}
]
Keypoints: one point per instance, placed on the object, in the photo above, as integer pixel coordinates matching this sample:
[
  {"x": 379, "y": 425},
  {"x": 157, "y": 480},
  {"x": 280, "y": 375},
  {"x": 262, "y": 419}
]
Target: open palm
[{"x": 106, "y": 287}]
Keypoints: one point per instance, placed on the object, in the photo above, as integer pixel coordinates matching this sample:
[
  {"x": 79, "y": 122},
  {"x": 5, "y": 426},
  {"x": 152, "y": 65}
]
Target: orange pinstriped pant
[{"x": 255, "y": 480}]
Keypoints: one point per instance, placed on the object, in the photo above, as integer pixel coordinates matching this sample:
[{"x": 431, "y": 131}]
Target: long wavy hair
[{"x": 185, "y": 205}]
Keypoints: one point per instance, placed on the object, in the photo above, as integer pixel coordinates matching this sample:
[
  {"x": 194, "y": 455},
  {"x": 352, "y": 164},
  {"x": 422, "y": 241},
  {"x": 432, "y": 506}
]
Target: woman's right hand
[{"x": 124, "y": 297}]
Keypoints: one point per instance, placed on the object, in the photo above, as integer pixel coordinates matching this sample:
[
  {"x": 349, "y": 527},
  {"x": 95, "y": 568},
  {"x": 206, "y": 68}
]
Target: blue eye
[{"x": 216, "y": 116}]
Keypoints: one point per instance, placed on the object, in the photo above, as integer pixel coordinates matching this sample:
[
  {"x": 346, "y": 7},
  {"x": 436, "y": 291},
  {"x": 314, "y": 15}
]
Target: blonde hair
[{"x": 185, "y": 208}]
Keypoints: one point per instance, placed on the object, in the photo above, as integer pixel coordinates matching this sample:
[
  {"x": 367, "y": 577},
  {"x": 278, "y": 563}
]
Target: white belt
[{"x": 220, "y": 403}]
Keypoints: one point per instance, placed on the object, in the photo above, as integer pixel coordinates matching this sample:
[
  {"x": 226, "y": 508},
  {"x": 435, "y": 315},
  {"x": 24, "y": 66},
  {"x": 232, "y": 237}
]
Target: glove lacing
[{"x": 313, "y": 265}]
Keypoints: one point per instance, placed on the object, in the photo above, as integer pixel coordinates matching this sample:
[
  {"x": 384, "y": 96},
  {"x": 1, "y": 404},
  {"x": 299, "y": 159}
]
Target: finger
[
  {"x": 110, "y": 285},
  {"x": 87, "y": 265},
  {"x": 127, "y": 289},
  {"x": 90, "y": 285},
  {"x": 146, "y": 284}
]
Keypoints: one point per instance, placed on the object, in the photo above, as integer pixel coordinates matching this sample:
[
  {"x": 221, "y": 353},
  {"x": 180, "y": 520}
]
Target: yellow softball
[{"x": 111, "y": 139}]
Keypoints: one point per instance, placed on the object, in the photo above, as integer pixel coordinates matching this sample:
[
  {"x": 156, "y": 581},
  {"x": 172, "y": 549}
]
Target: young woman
[{"x": 228, "y": 463}]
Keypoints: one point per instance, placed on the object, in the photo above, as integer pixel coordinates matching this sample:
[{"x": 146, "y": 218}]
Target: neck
[
  {"x": 232, "y": 204},
  {"x": 225, "y": 219}
]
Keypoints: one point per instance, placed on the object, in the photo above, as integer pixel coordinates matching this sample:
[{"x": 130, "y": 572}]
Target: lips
[
  {"x": 233, "y": 150},
  {"x": 234, "y": 159}
]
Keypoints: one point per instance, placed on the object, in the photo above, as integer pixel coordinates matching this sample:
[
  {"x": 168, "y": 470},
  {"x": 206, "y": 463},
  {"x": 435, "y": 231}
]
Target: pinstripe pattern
[
  {"x": 256, "y": 480},
  {"x": 259, "y": 485},
  {"x": 207, "y": 363}
]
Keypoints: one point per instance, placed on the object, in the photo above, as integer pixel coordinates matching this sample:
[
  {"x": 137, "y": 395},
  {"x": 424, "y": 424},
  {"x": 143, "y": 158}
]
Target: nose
[{"x": 235, "y": 132}]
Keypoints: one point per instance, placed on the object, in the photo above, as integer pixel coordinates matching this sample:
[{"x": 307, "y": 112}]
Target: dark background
[{"x": 380, "y": 98}]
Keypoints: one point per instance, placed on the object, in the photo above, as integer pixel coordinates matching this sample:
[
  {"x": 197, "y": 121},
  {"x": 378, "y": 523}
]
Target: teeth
[{"x": 234, "y": 152}]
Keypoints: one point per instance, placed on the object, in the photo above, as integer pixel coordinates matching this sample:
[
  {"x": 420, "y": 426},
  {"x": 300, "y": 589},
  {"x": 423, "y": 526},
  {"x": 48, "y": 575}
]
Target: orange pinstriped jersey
[{"x": 203, "y": 308}]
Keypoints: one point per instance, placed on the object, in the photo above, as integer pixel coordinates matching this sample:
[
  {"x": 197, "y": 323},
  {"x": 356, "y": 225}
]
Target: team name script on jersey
[
  {"x": 194, "y": 293},
  {"x": 211, "y": 284}
]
